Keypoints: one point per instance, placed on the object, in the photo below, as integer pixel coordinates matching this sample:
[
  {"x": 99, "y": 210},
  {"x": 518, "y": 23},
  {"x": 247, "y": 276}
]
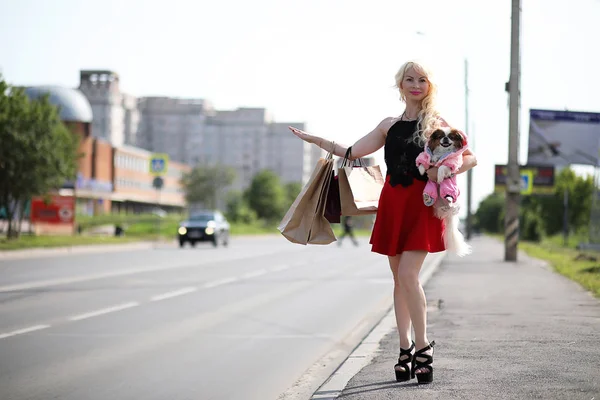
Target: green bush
[
  {"x": 133, "y": 224},
  {"x": 266, "y": 196},
  {"x": 531, "y": 226},
  {"x": 490, "y": 214},
  {"x": 238, "y": 210}
]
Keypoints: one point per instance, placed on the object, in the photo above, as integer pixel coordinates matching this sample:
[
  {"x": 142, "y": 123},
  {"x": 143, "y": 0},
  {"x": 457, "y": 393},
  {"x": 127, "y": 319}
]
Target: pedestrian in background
[
  {"x": 405, "y": 229},
  {"x": 348, "y": 230}
]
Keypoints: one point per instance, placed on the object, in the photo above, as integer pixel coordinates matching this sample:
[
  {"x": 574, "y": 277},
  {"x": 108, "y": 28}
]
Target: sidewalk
[{"x": 503, "y": 331}]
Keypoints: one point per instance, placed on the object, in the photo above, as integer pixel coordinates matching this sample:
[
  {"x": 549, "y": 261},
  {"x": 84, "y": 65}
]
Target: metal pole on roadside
[
  {"x": 469, "y": 172},
  {"x": 469, "y": 219},
  {"x": 158, "y": 213},
  {"x": 565, "y": 217},
  {"x": 513, "y": 187},
  {"x": 158, "y": 183},
  {"x": 594, "y": 230}
]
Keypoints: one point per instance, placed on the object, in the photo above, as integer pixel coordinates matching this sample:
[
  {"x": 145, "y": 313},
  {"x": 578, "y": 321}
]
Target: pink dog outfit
[{"x": 448, "y": 187}]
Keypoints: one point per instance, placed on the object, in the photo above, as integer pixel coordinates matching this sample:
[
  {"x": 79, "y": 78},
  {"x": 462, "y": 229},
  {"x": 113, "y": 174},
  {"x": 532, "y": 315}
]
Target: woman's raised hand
[{"x": 302, "y": 135}]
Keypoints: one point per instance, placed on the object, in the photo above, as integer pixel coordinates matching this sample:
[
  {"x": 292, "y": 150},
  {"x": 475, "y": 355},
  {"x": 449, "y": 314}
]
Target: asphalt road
[{"x": 244, "y": 322}]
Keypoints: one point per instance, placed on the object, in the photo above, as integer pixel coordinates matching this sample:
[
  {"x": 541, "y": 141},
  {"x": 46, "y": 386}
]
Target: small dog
[{"x": 444, "y": 150}]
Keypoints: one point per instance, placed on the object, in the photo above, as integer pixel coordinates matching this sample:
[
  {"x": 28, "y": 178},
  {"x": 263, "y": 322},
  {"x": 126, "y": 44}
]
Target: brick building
[{"x": 109, "y": 178}]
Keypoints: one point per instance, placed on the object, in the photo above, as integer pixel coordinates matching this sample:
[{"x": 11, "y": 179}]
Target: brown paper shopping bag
[
  {"x": 304, "y": 223},
  {"x": 360, "y": 188},
  {"x": 333, "y": 208}
]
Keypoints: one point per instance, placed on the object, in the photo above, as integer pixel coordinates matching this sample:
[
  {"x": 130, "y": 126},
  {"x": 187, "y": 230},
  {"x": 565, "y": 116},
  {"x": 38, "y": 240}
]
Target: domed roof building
[{"x": 73, "y": 105}]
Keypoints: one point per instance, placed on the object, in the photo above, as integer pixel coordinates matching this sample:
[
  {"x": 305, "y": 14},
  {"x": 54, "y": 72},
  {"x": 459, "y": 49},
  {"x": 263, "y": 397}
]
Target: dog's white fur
[{"x": 453, "y": 238}]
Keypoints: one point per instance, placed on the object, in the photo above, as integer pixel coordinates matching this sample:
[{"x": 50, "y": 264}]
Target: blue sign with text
[{"x": 159, "y": 164}]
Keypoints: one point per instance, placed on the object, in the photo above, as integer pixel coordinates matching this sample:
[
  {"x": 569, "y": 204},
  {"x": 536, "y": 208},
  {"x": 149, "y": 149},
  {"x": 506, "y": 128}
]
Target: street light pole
[
  {"x": 469, "y": 172},
  {"x": 513, "y": 187},
  {"x": 469, "y": 222}
]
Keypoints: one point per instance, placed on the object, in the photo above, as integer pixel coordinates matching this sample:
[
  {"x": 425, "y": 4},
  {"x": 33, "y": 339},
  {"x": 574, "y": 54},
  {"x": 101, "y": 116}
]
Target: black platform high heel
[
  {"x": 406, "y": 363},
  {"x": 424, "y": 377}
]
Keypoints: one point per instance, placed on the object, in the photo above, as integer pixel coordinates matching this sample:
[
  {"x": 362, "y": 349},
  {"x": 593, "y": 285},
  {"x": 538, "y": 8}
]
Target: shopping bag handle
[
  {"x": 348, "y": 153},
  {"x": 346, "y": 162},
  {"x": 330, "y": 153}
]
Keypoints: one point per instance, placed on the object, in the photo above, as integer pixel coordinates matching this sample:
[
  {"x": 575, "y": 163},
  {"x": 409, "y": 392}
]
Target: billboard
[
  {"x": 535, "y": 179},
  {"x": 563, "y": 138},
  {"x": 53, "y": 210}
]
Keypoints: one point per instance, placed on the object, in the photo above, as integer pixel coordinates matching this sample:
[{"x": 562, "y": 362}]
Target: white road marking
[
  {"x": 114, "y": 274},
  {"x": 66, "y": 281},
  {"x": 174, "y": 293},
  {"x": 309, "y": 336},
  {"x": 220, "y": 282},
  {"x": 104, "y": 311},
  {"x": 25, "y": 330},
  {"x": 254, "y": 274},
  {"x": 124, "y": 306},
  {"x": 380, "y": 281}
]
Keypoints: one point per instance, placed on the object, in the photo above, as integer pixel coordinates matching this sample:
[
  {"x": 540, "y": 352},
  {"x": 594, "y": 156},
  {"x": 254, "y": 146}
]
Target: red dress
[{"x": 403, "y": 221}]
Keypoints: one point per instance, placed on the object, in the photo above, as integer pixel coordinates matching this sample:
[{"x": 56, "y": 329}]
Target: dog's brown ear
[
  {"x": 457, "y": 137},
  {"x": 434, "y": 139},
  {"x": 437, "y": 134}
]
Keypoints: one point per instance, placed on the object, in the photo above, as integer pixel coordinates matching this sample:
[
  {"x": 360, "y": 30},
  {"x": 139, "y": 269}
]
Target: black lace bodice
[{"x": 401, "y": 154}]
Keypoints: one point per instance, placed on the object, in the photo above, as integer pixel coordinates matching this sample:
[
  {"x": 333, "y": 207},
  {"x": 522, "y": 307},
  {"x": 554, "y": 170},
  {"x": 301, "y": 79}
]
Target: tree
[
  {"x": 543, "y": 214},
  {"x": 266, "y": 196},
  {"x": 238, "y": 209},
  {"x": 203, "y": 184},
  {"x": 531, "y": 223},
  {"x": 490, "y": 212},
  {"x": 38, "y": 153},
  {"x": 292, "y": 189},
  {"x": 580, "y": 191}
]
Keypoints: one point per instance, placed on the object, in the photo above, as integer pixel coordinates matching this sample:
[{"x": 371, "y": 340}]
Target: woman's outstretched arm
[{"x": 366, "y": 145}]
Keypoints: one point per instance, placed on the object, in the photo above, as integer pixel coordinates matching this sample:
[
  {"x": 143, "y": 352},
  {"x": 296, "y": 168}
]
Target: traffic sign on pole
[
  {"x": 526, "y": 182},
  {"x": 159, "y": 163},
  {"x": 157, "y": 183}
]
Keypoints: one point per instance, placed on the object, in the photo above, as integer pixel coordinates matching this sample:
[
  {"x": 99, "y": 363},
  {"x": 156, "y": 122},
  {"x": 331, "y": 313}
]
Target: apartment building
[
  {"x": 192, "y": 132},
  {"x": 173, "y": 126},
  {"x": 247, "y": 140}
]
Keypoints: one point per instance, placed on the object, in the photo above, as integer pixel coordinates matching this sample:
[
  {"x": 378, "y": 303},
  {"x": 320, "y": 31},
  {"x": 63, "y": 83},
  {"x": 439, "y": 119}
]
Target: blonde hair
[{"x": 428, "y": 118}]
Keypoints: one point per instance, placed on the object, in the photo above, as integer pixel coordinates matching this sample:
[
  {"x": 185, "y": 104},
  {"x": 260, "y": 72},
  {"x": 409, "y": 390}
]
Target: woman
[{"x": 405, "y": 229}]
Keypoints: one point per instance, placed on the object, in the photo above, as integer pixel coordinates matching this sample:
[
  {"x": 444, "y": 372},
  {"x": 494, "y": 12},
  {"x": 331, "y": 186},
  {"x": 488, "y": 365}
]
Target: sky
[{"x": 327, "y": 63}]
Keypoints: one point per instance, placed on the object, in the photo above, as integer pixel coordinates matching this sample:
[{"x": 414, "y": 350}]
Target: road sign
[
  {"x": 159, "y": 164},
  {"x": 526, "y": 182},
  {"x": 539, "y": 179},
  {"x": 158, "y": 183}
]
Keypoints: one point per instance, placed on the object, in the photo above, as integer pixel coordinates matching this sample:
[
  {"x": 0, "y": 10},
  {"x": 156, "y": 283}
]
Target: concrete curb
[
  {"x": 37, "y": 252},
  {"x": 364, "y": 353}
]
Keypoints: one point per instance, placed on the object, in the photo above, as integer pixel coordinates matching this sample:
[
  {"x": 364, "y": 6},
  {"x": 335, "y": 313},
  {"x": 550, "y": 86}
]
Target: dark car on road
[{"x": 204, "y": 226}]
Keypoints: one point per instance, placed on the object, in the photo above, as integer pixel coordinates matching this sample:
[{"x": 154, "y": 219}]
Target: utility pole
[
  {"x": 469, "y": 172},
  {"x": 513, "y": 187}
]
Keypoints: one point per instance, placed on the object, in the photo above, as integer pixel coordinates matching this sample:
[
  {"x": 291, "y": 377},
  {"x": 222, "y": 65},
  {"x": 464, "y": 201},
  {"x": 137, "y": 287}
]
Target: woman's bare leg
[
  {"x": 400, "y": 307},
  {"x": 408, "y": 276}
]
